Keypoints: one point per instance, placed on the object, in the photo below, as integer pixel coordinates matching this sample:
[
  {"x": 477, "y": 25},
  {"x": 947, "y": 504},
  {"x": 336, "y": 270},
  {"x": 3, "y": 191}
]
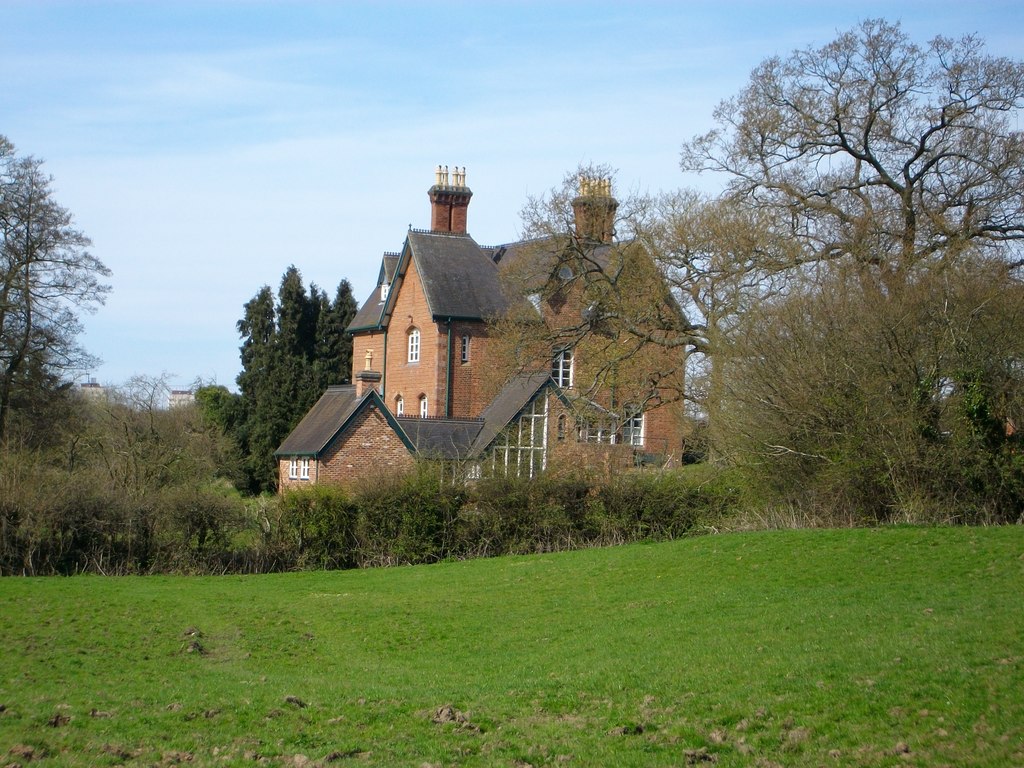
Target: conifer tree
[{"x": 293, "y": 347}]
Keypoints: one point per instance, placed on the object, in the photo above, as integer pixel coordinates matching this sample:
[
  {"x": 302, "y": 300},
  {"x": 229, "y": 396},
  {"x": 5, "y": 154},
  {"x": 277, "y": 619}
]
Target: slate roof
[
  {"x": 536, "y": 259},
  {"x": 441, "y": 438},
  {"x": 459, "y": 278},
  {"x": 328, "y": 417},
  {"x": 371, "y": 311},
  {"x": 514, "y": 396},
  {"x": 432, "y": 438}
]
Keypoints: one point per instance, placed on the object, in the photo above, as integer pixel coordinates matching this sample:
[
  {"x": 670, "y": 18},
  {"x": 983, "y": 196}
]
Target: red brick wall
[
  {"x": 363, "y": 341},
  {"x": 426, "y": 377},
  {"x": 368, "y": 450},
  {"x": 470, "y": 380}
]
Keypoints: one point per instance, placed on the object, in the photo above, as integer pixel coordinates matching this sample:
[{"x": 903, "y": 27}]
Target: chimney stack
[
  {"x": 594, "y": 209},
  {"x": 367, "y": 378},
  {"x": 449, "y": 200}
]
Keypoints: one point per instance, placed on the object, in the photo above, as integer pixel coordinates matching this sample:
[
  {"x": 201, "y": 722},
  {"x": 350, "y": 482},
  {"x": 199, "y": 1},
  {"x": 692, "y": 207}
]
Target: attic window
[{"x": 384, "y": 288}]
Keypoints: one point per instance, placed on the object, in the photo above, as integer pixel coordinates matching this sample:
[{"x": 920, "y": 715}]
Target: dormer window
[
  {"x": 562, "y": 368},
  {"x": 414, "y": 345},
  {"x": 384, "y": 288}
]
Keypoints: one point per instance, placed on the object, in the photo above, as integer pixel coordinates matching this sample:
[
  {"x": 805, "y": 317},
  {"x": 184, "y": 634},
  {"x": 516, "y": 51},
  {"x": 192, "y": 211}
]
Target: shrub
[
  {"x": 317, "y": 527},
  {"x": 408, "y": 519}
]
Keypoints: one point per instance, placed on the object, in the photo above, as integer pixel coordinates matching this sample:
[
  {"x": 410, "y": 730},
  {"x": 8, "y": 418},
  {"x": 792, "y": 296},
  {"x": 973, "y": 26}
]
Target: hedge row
[{"x": 419, "y": 518}]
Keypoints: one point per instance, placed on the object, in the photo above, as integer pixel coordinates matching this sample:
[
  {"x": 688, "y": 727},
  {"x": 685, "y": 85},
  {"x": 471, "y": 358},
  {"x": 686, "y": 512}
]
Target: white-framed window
[
  {"x": 298, "y": 469},
  {"x": 414, "y": 345},
  {"x": 423, "y": 406},
  {"x": 464, "y": 352},
  {"x": 522, "y": 448},
  {"x": 633, "y": 428},
  {"x": 598, "y": 430},
  {"x": 562, "y": 367},
  {"x": 384, "y": 289},
  {"x": 399, "y": 406}
]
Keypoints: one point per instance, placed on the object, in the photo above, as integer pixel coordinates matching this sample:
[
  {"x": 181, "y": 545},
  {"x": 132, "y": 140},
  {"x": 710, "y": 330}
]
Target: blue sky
[{"x": 206, "y": 146}]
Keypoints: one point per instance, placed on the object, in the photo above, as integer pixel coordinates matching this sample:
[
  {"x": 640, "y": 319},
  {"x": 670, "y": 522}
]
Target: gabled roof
[
  {"x": 371, "y": 311},
  {"x": 329, "y": 417},
  {"x": 459, "y": 278},
  {"x": 441, "y": 438},
  {"x": 514, "y": 396}
]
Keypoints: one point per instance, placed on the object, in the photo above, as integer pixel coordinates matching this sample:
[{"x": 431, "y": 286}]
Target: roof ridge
[
  {"x": 408, "y": 417},
  {"x": 440, "y": 233}
]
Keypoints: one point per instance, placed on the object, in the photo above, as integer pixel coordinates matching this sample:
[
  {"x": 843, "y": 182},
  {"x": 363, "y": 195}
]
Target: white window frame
[
  {"x": 522, "y": 447},
  {"x": 293, "y": 469},
  {"x": 600, "y": 430},
  {"x": 423, "y": 407},
  {"x": 385, "y": 288},
  {"x": 562, "y": 367},
  {"x": 399, "y": 406},
  {"x": 634, "y": 428},
  {"x": 304, "y": 469},
  {"x": 414, "y": 345},
  {"x": 464, "y": 353}
]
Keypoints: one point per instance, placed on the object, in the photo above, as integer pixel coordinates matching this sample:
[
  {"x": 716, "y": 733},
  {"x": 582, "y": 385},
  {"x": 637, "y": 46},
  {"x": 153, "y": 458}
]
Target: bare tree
[
  {"x": 656, "y": 295},
  {"x": 877, "y": 150},
  {"x": 46, "y": 277}
]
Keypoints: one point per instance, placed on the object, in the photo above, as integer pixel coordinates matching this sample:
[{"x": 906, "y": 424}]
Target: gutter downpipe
[
  {"x": 384, "y": 372},
  {"x": 448, "y": 376}
]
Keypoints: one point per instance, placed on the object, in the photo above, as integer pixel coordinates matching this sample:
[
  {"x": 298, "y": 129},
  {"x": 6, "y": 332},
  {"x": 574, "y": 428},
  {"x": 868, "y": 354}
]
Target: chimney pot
[
  {"x": 449, "y": 201},
  {"x": 595, "y": 210}
]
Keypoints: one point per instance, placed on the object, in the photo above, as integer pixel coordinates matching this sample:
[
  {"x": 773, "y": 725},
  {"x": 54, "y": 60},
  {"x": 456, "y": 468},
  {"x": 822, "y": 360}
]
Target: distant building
[
  {"x": 179, "y": 397},
  {"x": 92, "y": 390}
]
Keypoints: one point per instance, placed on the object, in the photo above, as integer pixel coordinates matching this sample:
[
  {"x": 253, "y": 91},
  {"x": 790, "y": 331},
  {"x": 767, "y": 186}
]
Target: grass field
[{"x": 899, "y": 646}]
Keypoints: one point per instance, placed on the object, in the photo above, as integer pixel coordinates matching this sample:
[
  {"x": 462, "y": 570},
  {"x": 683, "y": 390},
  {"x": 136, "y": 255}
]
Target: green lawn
[{"x": 899, "y": 646}]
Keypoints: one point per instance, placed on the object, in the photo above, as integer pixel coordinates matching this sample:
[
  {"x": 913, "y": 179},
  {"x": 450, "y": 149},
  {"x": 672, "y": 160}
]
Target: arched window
[
  {"x": 399, "y": 406},
  {"x": 423, "y": 406},
  {"x": 414, "y": 345}
]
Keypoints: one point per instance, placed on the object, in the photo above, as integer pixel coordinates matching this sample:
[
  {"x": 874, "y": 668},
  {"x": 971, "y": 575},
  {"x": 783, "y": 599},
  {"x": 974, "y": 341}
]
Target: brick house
[{"x": 432, "y": 379}]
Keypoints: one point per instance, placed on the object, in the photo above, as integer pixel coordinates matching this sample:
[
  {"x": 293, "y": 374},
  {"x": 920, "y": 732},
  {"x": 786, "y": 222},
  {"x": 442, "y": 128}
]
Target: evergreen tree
[
  {"x": 292, "y": 349},
  {"x": 333, "y": 351}
]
